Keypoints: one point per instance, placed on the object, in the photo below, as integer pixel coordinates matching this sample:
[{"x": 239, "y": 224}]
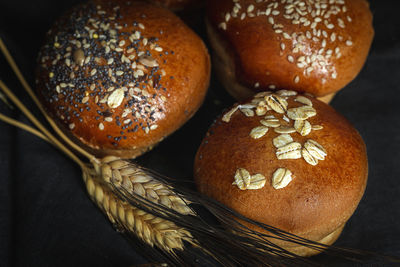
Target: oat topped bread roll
[
  {"x": 120, "y": 76},
  {"x": 287, "y": 160},
  {"x": 309, "y": 46}
]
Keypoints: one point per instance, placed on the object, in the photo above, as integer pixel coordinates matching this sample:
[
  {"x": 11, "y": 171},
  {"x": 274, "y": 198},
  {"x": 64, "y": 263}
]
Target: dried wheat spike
[
  {"x": 125, "y": 175},
  {"x": 153, "y": 230}
]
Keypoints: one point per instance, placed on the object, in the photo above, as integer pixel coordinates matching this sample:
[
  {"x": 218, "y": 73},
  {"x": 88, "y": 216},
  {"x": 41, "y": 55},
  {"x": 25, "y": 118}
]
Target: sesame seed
[
  {"x": 286, "y": 35},
  {"x": 101, "y": 126},
  {"x": 333, "y": 37},
  {"x": 51, "y": 74},
  {"x": 349, "y": 19},
  {"x": 71, "y": 126},
  {"x": 341, "y": 23},
  {"x": 296, "y": 79},
  {"x": 227, "y": 17},
  {"x": 222, "y": 25},
  {"x": 349, "y": 43},
  {"x": 271, "y": 20}
]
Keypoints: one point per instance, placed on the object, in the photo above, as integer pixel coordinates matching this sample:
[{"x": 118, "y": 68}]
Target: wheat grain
[
  {"x": 125, "y": 175},
  {"x": 153, "y": 230}
]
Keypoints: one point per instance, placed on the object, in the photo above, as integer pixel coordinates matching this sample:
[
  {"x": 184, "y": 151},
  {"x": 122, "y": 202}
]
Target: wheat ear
[{"x": 153, "y": 230}]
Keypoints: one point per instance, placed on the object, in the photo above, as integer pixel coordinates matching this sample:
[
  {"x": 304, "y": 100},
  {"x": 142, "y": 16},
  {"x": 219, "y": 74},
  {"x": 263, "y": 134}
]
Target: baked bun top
[
  {"x": 287, "y": 160},
  {"x": 120, "y": 78},
  {"x": 309, "y": 46}
]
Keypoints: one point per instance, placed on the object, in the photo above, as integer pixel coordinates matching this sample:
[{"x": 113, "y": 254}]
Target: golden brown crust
[
  {"x": 97, "y": 94},
  {"x": 316, "y": 202},
  {"x": 266, "y": 54}
]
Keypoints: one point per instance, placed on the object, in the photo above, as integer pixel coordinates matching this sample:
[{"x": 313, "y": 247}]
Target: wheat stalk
[{"x": 153, "y": 230}]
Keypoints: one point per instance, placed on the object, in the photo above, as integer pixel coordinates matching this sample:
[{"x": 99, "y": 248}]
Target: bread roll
[
  {"x": 118, "y": 78},
  {"x": 316, "y": 47},
  {"x": 287, "y": 160}
]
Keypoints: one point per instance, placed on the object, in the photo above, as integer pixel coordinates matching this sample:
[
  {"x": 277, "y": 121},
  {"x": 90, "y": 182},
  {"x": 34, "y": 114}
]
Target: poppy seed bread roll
[
  {"x": 287, "y": 160},
  {"x": 118, "y": 78},
  {"x": 308, "y": 46}
]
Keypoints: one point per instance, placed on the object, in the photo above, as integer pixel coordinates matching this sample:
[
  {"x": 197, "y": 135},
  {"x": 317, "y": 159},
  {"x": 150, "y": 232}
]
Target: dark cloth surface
[{"x": 47, "y": 219}]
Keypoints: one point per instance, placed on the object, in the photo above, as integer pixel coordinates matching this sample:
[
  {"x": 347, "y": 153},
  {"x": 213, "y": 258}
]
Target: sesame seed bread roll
[
  {"x": 316, "y": 47},
  {"x": 118, "y": 78},
  {"x": 287, "y": 160}
]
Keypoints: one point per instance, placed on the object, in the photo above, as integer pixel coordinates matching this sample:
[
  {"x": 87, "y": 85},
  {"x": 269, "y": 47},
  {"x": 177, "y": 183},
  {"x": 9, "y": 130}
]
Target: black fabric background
[{"x": 47, "y": 219}]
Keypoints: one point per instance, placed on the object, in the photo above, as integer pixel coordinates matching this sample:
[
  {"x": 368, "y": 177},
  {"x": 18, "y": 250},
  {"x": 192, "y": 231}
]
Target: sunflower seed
[
  {"x": 303, "y": 127},
  {"x": 281, "y": 178},
  {"x": 301, "y": 113},
  {"x": 304, "y": 100},
  {"x": 115, "y": 98},
  {"x": 148, "y": 61},
  {"x": 258, "y": 132},
  {"x": 282, "y": 140},
  {"x": 284, "y": 129},
  {"x": 79, "y": 57},
  {"x": 257, "y": 181},
  {"x": 289, "y": 151},
  {"x": 276, "y": 103},
  {"x": 242, "y": 178}
]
